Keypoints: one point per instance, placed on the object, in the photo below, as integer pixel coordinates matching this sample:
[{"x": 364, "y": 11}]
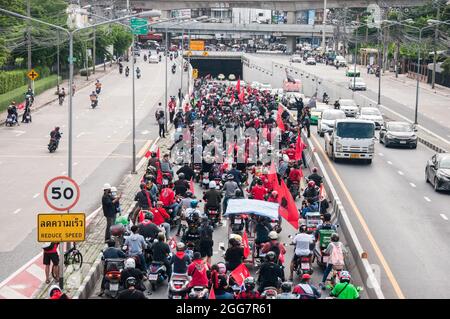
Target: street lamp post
[{"x": 70, "y": 33}]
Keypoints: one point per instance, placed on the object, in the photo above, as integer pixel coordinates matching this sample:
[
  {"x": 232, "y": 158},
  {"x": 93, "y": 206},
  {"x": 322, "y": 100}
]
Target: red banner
[
  {"x": 239, "y": 274},
  {"x": 212, "y": 294},
  {"x": 246, "y": 245},
  {"x": 280, "y": 123},
  {"x": 299, "y": 147},
  {"x": 288, "y": 209},
  {"x": 238, "y": 85},
  {"x": 191, "y": 186}
]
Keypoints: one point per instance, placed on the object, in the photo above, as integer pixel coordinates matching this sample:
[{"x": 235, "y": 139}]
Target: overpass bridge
[
  {"x": 279, "y": 30},
  {"x": 283, "y": 5}
]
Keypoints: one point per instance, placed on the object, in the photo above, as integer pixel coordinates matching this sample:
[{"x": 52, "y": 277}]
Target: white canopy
[{"x": 252, "y": 206}]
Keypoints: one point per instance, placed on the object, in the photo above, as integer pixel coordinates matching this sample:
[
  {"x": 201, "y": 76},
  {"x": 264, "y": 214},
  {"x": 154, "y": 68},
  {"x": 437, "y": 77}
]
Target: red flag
[
  {"x": 280, "y": 123},
  {"x": 212, "y": 294},
  {"x": 21, "y": 106},
  {"x": 246, "y": 245},
  {"x": 240, "y": 273},
  {"x": 191, "y": 185},
  {"x": 322, "y": 192},
  {"x": 288, "y": 210},
  {"x": 299, "y": 146},
  {"x": 148, "y": 154},
  {"x": 241, "y": 96},
  {"x": 157, "y": 153},
  {"x": 238, "y": 85},
  {"x": 159, "y": 177},
  {"x": 273, "y": 179}
]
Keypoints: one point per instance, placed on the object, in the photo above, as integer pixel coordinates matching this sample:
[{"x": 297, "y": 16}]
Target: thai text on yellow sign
[
  {"x": 61, "y": 227},
  {"x": 197, "y": 45}
]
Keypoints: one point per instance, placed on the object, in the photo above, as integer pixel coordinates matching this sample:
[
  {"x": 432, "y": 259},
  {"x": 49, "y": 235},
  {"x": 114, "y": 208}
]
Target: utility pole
[
  {"x": 93, "y": 53},
  {"x": 433, "y": 77},
  {"x": 57, "y": 58},
  {"x": 324, "y": 25},
  {"x": 29, "y": 40}
]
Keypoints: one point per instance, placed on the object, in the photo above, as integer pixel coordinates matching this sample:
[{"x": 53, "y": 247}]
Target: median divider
[{"x": 371, "y": 285}]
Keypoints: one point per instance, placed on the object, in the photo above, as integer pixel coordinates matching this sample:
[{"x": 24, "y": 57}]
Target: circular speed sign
[{"x": 61, "y": 193}]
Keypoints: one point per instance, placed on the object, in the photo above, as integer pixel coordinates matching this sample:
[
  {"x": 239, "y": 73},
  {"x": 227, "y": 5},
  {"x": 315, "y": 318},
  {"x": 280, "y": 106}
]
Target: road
[
  {"x": 102, "y": 150},
  {"x": 407, "y": 219}
]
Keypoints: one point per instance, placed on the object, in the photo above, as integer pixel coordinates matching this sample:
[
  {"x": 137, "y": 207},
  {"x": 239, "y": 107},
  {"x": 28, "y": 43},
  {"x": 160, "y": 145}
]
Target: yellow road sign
[
  {"x": 205, "y": 53},
  {"x": 197, "y": 45},
  {"x": 194, "y": 73},
  {"x": 32, "y": 75},
  {"x": 61, "y": 227}
]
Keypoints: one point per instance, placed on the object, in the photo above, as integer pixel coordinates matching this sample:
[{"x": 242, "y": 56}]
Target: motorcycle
[
  {"x": 145, "y": 57},
  {"x": 11, "y": 120},
  {"x": 174, "y": 69},
  {"x": 270, "y": 293},
  {"x": 118, "y": 233},
  {"x": 199, "y": 292},
  {"x": 197, "y": 172},
  {"x": 326, "y": 99},
  {"x": 127, "y": 72},
  {"x": 113, "y": 268},
  {"x": 94, "y": 103},
  {"x": 157, "y": 273},
  {"x": 26, "y": 118},
  {"x": 304, "y": 267},
  {"x": 53, "y": 145},
  {"x": 159, "y": 58},
  {"x": 322, "y": 244},
  {"x": 205, "y": 181},
  {"x": 178, "y": 286},
  {"x": 237, "y": 224},
  {"x": 61, "y": 99},
  {"x": 166, "y": 178},
  {"x": 138, "y": 75},
  {"x": 120, "y": 69},
  {"x": 97, "y": 90},
  {"x": 29, "y": 100},
  {"x": 213, "y": 216}
]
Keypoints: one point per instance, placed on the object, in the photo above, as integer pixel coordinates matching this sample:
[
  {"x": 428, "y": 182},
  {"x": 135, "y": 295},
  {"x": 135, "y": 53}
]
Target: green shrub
[
  {"x": 83, "y": 72},
  {"x": 10, "y": 80},
  {"x": 18, "y": 94}
]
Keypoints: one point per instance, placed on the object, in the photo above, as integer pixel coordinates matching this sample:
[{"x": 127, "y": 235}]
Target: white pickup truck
[{"x": 352, "y": 139}]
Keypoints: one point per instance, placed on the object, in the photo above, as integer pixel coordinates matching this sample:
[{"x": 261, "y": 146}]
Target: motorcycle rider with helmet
[
  {"x": 275, "y": 246},
  {"x": 55, "y": 135},
  {"x": 250, "y": 292},
  {"x": 311, "y": 191},
  {"x": 147, "y": 228},
  {"x": 181, "y": 185},
  {"x": 344, "y": 289},
  {"x": 304, "y": 290},
  {"x": 56, "y": 293},
  {"x": 315, "y": 177},
  {"x": 302, "y": 242},
  {"x": 336, "y": 250},
  {"x": 269, "y": 273},
  {"x": 229, "y": 188},
  {"x": 286, "y": 291},
  {"x": 131, "y": 292},
  {"x": 198, "y": 270},
  {"x": 180, "y": 260},
  {"x": 131, "y": 271}
]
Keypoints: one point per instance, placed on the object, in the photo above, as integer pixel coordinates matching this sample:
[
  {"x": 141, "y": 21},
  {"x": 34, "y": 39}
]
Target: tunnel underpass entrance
[{"x": 216, "y": 66}]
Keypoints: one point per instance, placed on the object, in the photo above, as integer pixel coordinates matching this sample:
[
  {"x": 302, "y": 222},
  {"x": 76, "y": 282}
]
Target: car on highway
[
  {"x": 316, "y": 113},
  {"x": 357, "y": 84},
  {"x": 398, "y": 133},
  {"x": 340, "y": 61},
  {"x": 153, "y": 59},
  {"x": 352, "y": 71},
  {"x": 295, "y": 58},
  {"x": 349, "y": 107},
  {"x": 328, "y": 121},
  {"x": 311, "y": 61},
  {"x": 437, "y": 171},
  {"x": 371, "y": 114}
]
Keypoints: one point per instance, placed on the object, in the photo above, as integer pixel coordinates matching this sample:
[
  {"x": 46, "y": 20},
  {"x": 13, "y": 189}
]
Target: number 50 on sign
[{"x": 61, "y": 193}]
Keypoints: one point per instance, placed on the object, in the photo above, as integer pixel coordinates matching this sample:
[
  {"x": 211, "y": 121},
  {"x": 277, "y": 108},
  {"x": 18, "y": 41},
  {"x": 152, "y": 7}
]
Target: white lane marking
[
  {"x": 401, "y": 173},
  {"x": 17, "y": 211},
  {"x": 109, "y": 136},
  {"x": 36, "y": 195},
  {"x": 115, "y": 132},
  {"x": 18, "y": 133},
  {"x": 444, "y": 217},
  {"x": 412, "y": 184},
  {"x": 10, "y": 293},
  {"x": 36, "y": 271},
  {"x": 81, "y": 134},
  {"x": 381, "y": 154},
  {"x": 427, "y": 199},
  {"x": 389, "y": 162},
  {"x": 64, "y": 173}
]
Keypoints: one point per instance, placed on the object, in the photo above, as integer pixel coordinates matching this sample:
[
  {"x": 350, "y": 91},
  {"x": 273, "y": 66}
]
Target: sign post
[
  {"x": 61, "y": 194},
  {"x": 139, "y": 26},
  {"x": 32, "y": 75}
]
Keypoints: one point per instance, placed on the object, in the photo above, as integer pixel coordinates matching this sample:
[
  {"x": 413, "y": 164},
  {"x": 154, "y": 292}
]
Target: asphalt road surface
[{"x": 102, "y": 152}]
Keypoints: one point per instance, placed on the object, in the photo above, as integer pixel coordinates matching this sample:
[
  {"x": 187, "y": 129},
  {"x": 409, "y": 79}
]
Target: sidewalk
[{"x": 49, "y": 95}]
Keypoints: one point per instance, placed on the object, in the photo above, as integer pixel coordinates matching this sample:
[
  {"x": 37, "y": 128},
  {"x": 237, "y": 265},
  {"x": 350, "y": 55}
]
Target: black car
[
  {"x": 437, "y": 171},
  {"x": 399, "y": 134}
]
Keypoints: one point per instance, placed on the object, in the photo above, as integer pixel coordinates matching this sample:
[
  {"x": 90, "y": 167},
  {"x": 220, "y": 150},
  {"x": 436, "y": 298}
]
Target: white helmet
[
  {"x": 273, "y": 235},
  {"x": 237, "y": 237},
  {"x": 212, "y": 185},
  {"x": 130, "y": 263},
  {"x": 106, "y": 186},
  {"x": 285, "y": 158},
  {"x": 52, "y": 290},
  {"x": 113, "y": 189}
]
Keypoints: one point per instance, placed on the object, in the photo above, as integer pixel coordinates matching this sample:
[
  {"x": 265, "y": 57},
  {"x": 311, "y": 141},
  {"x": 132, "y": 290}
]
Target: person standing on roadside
[
  {"x": 109, "y": 209},
  {"x": 172, "y": 105},
  {"x": 162, "y": 122},
  {"x": 51, "y": 255}
]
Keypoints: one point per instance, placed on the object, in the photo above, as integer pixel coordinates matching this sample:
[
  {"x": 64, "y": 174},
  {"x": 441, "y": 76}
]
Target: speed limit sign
[{"x": 61, "y": 193}]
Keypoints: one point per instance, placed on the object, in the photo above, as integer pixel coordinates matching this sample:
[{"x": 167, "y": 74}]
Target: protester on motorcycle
[
  {"x": 187, "y": 171},
  {"x": 167, "y": 197},
  {"x": 311, "y": 191},
  {"x": 258, "y": 191},
  {"x": 98, "y": 87},
  {"x": 249, "y": 292},
  {"x": 315, "y": 177},
  {"x": 212, "y": 197},
  {"x": 325, "y": 98},
  {"x": 269, "y": 273},
  {"x": 136, "y": 245},
  {"x": 161, "y": 253},
  {"x": 12, "y": 112},
  {"x": 144, "y": 200},
  {"x": 336, "y": 250},
  {"x": 138, "y": 72},
  {"x": 193, "y": 210},
  {"x": 127, "y": 71},
  {"x": 325, "y": 225},
  {"x": 229, "y": 188},
  {"x": 344, "y": 289},
  {"x": 309, "y": 206},
  {"x": 302, "y": 242},
  {"x": 130, "y": 271},
  {"x": 234, "y": 255},
  {"x": 236, "y": 173},
  {"x": 273, "y": 198},
  {"x": 94, "y": 99},
  {"x": 61, "y": 96},
  {"x": 131, "y": 293},
  {"x": 295, "y": 175},
  {"x": 147, "y": 228},
  {"x": 286, "y": 291},
  {"x": 337, "y": 106},
  {"x": 206, "y": 239},
  {"x": 198, "y": 270},
  {"x": 55, "y": 135},
  {"x": 180, "y": 260},
  {"x": 160, "y": 217},
  {"x": 304, "y": 290},
  {"x": 221, "y": 291},
  {"x": 275, "y": 246},
  {"x": 181, "y": 186},
  {"x": 110, "y": 253}
]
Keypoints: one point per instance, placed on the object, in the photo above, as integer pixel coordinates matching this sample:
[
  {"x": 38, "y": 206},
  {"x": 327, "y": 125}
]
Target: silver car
[
  {"x": 372, "y": 114},
  {"x": 349, "y": 107},
  {"x": 328, "y": 121}
]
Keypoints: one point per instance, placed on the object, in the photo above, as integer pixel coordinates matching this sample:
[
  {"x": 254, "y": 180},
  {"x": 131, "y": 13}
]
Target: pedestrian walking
[
  {"x": 161, "y": 122},
  {"x": 109, "y": 209}
]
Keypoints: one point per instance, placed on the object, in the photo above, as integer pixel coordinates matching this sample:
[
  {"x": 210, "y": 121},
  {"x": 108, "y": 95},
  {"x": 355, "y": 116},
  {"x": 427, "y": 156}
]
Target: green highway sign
[{"x": 139, "y": 26}]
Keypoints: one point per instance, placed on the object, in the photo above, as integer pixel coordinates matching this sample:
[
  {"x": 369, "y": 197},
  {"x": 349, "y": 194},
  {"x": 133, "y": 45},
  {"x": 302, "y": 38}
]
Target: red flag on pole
[
  {"x": 148, "y": 154},
  {"x": 238, "y": 85},
  {"x": 322, "y": 192},
  {"x": 299, "y": 146},
  {"x": 273, "y": 179},
  {"x": 245, "y": 244},
  {"x": 158, "y": 177},
  {"x": 191, "y": 185},
  {"x": 280, "y": 123},
  {"x": 288, "y": 209},
  {"x": 212, "y": 294},
  {"x": 157, "y": 153},
  {"x": 241, "y": 96},
  {"x": 240, "y": 273}
]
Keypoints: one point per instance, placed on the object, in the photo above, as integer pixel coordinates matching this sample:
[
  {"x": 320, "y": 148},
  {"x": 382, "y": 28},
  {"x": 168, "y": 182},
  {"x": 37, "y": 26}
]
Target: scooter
[
  {"x": 157, "y": 273},
  {"x": 97, "y": 90},
  {"x": 120, "y": 69},
  {"x": 174, "y": 69},
  {"x": 160, "y": 58},
  {"x": 178, "y": 286},
  {"x": 326, "y": 99},
  {"x": 145, "y": 57},
  {"x": 26, "y": 118},
  {"x": 11, "y": 120},
  {"x": 94, "y": 103},
  {"x": 138, "y": 75},
  {"x": 213, "y": 216},
  {"x": 303, "y": 266},
  {"x": 197, "y": 171},
  {"x": 61, "y": 99},
  {"x": 199, "y": 292},
  {"x": 113, "y": 268},
  {"x": 127, "y": 73},
  {"x": 53, "y": 145}
]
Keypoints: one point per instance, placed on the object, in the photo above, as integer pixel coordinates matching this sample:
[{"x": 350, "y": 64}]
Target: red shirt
[
  {"x": 258, "y": 192},
  {"x": 197, "y": 270},
  {"x": 290, "y": 153},
  {"x": 272, "y": 199},
  {"x": 167, "y": 196},
  {"x": 159, "y": 215},
  {"x": 52, "y": 249},
  {"x": 295, "y": 175}
]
